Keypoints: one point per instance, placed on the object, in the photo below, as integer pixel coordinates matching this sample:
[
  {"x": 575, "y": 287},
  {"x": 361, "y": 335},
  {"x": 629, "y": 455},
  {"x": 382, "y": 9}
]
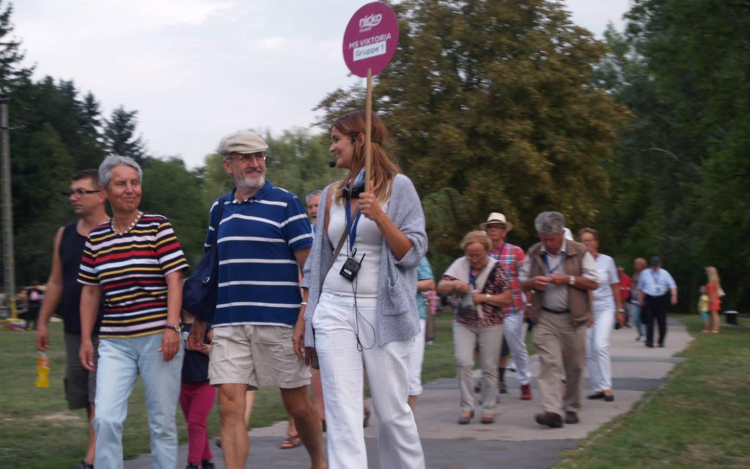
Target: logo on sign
[{"x": 369, "y": 22}]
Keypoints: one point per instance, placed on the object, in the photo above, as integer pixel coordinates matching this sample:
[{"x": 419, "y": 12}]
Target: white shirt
[
  {"x": 604, "y": 299},
  {"x": 369, "y": 241},
  {"x": 656, "y": 282}
]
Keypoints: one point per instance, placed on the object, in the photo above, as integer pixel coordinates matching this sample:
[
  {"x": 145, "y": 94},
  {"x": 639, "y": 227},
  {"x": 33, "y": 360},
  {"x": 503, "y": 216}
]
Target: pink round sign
[{"x": 370, "y": 39}]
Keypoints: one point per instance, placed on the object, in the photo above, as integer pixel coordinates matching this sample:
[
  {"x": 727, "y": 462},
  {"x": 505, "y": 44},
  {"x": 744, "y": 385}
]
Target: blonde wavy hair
[
  {"x": 713, "y": 276},
  {"x": 383, "y": 169}
]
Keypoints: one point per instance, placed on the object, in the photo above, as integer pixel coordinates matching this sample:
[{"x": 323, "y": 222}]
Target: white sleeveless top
[{"x": 369, "y": 241}]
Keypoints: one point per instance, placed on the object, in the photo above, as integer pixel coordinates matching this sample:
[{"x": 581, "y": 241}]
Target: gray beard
[{"x": 242, "y": 182}]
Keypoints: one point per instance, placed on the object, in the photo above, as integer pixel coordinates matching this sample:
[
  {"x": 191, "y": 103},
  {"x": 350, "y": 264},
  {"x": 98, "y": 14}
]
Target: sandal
[{"x": 291, "y": 441}]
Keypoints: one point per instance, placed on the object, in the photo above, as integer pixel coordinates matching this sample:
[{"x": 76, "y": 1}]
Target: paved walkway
[{"x": 515, "y": 440}]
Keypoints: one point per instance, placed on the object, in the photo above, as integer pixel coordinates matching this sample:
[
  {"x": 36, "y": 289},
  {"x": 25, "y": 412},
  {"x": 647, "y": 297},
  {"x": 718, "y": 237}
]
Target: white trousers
[
  {"x": 598, "y": 361},
  {"x": 516, "y": 339},
  {"x": 341, "y": 370},
  {"x": 415, "y": 361}
]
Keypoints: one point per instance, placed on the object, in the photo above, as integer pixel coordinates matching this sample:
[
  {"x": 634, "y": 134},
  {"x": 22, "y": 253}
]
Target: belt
[{"x": 554, "y": 311}]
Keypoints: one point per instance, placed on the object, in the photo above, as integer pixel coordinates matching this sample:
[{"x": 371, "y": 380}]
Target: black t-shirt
[
  {"x": 71, "y": 251},
  {"x": 195, "y": 364}
]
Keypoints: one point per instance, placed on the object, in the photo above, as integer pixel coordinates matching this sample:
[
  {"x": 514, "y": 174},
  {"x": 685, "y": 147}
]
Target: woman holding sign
[{"x": 361, "y": 311}]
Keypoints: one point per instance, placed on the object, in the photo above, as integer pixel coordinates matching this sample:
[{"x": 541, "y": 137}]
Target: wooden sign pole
[{"x": 368, "y": 132}]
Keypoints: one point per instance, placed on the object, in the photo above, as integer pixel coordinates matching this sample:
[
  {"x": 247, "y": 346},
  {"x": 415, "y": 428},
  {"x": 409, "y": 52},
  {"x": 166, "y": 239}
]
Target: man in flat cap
[{"x": 263, "y": 241}]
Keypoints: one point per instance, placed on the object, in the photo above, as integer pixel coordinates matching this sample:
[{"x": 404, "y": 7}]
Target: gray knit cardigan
[{"x": 396, "y": 304}]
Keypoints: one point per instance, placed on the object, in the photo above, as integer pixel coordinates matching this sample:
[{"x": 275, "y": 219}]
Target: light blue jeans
[
  {"x": 635, "y": 316},
  {"x": 121, "y": 361}
]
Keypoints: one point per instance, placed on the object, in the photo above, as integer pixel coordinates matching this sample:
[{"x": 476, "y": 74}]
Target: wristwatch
[
  {"x": 178, "y": 328},
  {"x": 572, "y": 280},
  {"x": 488, "y": 297}
]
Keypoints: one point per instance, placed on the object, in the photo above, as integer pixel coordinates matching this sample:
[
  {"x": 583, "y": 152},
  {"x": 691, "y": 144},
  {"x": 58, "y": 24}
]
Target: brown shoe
[
  {"x": 465, "y": 417},
  {"x": 571, "y": 417},
  {"x": 549, "y": 419}
]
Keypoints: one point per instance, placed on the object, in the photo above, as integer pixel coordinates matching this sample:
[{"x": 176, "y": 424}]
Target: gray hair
[
  {"x": 550, "y": 223},
  {"x": 311, "y": 195},
  {"x": 112, "y": 161}
]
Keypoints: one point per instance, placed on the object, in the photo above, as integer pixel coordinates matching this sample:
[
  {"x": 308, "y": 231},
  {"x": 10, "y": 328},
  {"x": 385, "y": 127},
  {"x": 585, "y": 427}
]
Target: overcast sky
[{"x": 196, "y": 70}]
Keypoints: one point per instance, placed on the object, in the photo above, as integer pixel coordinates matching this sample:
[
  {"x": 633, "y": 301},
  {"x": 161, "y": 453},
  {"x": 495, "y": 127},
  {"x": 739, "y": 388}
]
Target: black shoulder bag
[{"x": 201, "y": 290}]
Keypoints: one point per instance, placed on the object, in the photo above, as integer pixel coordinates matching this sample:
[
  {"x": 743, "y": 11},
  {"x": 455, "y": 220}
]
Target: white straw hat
[{"x": 496, "y": 218}]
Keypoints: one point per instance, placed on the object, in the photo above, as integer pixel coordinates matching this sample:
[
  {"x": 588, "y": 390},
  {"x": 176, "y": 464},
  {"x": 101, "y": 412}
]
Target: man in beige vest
[{"x": 557, "y": 276}]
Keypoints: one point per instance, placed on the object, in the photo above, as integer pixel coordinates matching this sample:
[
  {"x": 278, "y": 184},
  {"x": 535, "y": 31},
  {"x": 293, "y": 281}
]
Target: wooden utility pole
[{"x": 9, "y": 271}]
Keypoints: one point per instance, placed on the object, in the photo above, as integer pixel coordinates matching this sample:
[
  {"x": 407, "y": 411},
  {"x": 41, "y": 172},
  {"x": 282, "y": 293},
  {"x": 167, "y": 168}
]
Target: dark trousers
[
  {"x": 655, "y": 307},
  {"x": 32, "y": 315}
]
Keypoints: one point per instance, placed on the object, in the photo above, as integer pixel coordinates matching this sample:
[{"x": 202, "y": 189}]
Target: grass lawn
[
  {"x": 37, "y": 431},
  {"x": 699, "y": 419}
]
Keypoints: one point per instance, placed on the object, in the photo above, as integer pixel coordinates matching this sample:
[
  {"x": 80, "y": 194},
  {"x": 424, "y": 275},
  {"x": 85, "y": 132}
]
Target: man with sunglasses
[{"x": 63, "y": 287}]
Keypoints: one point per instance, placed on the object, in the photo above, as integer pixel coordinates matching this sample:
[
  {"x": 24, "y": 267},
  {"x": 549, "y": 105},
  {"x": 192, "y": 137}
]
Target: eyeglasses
[
  {"x": 475, "y": 256},
  {"x": 80, "y": 193},
  {"x": 245, "y": 157}
]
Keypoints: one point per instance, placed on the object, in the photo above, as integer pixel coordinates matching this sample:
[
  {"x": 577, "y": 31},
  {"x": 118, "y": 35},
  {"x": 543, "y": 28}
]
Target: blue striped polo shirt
[{"x": 258, "y": 273}]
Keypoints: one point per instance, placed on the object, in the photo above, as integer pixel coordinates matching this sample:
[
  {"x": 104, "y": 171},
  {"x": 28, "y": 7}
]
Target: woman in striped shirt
[{"x": 136, "y": 262}]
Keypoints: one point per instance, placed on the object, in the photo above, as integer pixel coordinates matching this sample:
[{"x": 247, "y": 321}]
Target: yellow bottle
[{"x": 42, "y": 370}]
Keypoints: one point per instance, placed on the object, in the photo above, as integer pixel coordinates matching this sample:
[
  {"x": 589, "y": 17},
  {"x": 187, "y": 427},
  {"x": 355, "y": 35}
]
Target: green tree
[
  {"x": 678, "y": 185},
  {"x": 170, "y": 189},
  {"x": 494, "y": 100},
  {"x": 119, "y": 135},
  {"x": 40, "y": 205},
  {"x": 11, "y": 55}
]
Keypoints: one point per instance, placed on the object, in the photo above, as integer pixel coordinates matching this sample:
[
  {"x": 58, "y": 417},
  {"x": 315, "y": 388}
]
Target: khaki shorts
[{"x": 256, "y": 356}]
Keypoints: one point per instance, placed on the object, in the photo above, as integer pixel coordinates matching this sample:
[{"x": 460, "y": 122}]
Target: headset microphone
[{"x": 332, "y": 164}]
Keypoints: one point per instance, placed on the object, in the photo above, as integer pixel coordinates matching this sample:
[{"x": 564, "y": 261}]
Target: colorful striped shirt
[
  {"x": 258, "y": 272},
  {"x": 131, "y": 269},
  {"x": 511, "y": 257}
]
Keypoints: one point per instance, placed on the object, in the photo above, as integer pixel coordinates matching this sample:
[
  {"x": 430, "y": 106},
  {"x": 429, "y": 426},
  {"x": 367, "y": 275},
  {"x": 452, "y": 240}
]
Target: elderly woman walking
[
  {"x": 136, "y": 262},
  {"x": 484, "y": 289}
]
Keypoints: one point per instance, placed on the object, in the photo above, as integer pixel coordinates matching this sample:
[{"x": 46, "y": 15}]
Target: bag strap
[
  {"x": 327, "y": 218},
  {"x": 219, "y": 214}
]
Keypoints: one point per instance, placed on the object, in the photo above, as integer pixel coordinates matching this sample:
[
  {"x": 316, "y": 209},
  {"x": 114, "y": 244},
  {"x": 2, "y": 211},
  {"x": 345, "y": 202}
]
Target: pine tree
[{"x": 119, "y": 135}]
